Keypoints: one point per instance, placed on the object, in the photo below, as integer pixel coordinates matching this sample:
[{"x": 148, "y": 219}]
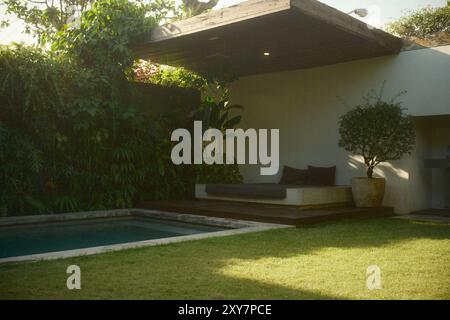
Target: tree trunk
[{"x": 369, "y": 172}]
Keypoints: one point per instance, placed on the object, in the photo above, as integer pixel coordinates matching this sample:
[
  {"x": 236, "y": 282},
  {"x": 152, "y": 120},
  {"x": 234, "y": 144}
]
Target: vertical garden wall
[
  {"x": 67, "y": 145},
  {"x": 77, "y": 133}
]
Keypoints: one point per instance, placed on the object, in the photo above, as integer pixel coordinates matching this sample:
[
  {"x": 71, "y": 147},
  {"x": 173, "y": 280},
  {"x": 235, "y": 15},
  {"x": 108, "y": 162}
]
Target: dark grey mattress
[{"x": 250, "y": 190}]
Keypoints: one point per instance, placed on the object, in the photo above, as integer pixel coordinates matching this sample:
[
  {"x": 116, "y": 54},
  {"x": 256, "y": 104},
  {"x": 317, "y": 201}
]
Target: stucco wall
[{"x": 305, "y": 105}]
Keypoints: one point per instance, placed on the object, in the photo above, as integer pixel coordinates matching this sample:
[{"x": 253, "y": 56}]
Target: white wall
[{"x": 305, "y": 105}]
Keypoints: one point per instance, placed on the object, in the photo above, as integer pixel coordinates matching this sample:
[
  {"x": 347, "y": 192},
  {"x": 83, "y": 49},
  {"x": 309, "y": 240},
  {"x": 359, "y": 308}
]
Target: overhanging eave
[{"x": 259, "y": 36}]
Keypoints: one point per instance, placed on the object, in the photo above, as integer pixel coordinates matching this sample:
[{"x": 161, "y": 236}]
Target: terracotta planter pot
[{"x": 368, "y": 192}]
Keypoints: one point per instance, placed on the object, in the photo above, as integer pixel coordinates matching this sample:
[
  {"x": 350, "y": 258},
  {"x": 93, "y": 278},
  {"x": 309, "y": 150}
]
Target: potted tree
[{"x": 378, "y": 131}]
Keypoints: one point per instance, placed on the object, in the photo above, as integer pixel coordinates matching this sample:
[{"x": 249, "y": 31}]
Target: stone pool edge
[{"x": 240, "y": 227}]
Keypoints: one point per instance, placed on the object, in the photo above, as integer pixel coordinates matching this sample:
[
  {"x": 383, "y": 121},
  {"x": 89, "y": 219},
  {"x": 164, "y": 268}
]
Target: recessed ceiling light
[{"x": 267, "y": 54}]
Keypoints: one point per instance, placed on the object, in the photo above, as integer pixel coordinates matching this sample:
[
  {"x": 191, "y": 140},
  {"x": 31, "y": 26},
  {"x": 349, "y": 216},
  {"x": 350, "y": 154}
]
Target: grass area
[{"x": 326, "y": 261}]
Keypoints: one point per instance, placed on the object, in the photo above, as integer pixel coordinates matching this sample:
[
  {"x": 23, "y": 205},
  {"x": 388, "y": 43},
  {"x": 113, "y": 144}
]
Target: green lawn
[{"x": 326, "y": 261}]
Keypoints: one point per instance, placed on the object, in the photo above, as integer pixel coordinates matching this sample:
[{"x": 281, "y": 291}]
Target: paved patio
[{"x": 432, "y": 215}]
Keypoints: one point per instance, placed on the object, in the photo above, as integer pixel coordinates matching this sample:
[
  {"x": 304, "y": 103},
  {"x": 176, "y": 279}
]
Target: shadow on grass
[
  {"x": 367, "y": 233},
  {"x": 193, "y": 270}
]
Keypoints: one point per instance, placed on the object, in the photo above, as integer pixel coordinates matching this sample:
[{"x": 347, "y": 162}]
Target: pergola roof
[{"x": 259, "y": 36}]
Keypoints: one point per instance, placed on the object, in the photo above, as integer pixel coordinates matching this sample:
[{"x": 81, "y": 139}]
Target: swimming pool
[
  {"x": 56, "y": 236},
  {"x": 60, "y": 236}
]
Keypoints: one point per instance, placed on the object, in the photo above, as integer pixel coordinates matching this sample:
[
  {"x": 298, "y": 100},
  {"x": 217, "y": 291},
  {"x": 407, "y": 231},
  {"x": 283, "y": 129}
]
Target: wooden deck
[{"x": 264, "y": 212}]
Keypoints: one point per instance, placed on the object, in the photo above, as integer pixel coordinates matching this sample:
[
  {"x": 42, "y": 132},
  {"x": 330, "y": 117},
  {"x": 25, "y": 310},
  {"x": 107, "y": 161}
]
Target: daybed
[{"x": 308, "y": 188}]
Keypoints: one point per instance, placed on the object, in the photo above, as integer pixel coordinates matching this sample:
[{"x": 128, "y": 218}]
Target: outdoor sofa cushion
[
  {"x": 321, "y": 176},
  {"x": 294, "y": 176}
]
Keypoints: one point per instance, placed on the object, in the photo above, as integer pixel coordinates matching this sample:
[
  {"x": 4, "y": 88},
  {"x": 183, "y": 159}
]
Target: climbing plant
[
  {"x": 70, "y": 138},
  {"x": 45, "y": 18},
  {"x": 423, "y": 22}
]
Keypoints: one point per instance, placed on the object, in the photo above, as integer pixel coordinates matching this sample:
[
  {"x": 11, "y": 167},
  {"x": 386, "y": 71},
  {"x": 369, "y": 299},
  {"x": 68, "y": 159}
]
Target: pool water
[{"x": 40, "y": 238}]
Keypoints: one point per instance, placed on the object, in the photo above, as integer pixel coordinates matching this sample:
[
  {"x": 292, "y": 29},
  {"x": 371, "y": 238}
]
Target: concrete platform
[
  {"x": 269, "y": 213},
  {"x": 306, "y": 197}
]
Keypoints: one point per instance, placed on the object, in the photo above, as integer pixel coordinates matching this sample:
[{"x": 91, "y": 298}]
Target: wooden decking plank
[{"x": 263, "y": 212}]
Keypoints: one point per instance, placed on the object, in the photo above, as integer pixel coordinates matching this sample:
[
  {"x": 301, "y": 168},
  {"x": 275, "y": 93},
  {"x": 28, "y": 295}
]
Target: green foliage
[
  {"x": 105, "y": 36},
  {"x": 224, "y": 173},
  {"x": 70, "y": 137},
  {"x": 167, "y": 76},
  {"x": 422, "y": 23},
  {"x": 218, "y": 115},
  {"x": 377, "y": 130},
  {"x": 29, "y": 86},
  {"x": 68, "y": 145},
  {"x": 45, "y": 18},
  {"x": 161, "y": 10},
  {"x": 21, "y": 162},
  {"x": 192, "y": 8}
]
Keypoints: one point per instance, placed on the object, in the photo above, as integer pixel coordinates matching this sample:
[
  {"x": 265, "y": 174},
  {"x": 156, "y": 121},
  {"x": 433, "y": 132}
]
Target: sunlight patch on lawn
[{"x": 410, "y": 269}]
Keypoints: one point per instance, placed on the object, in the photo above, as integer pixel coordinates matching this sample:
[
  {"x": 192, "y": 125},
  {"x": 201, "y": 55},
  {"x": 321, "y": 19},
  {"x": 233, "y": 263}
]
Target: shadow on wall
[
  {"x": 383, "y": 170},
  {"x": 397, "y": 179}
]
